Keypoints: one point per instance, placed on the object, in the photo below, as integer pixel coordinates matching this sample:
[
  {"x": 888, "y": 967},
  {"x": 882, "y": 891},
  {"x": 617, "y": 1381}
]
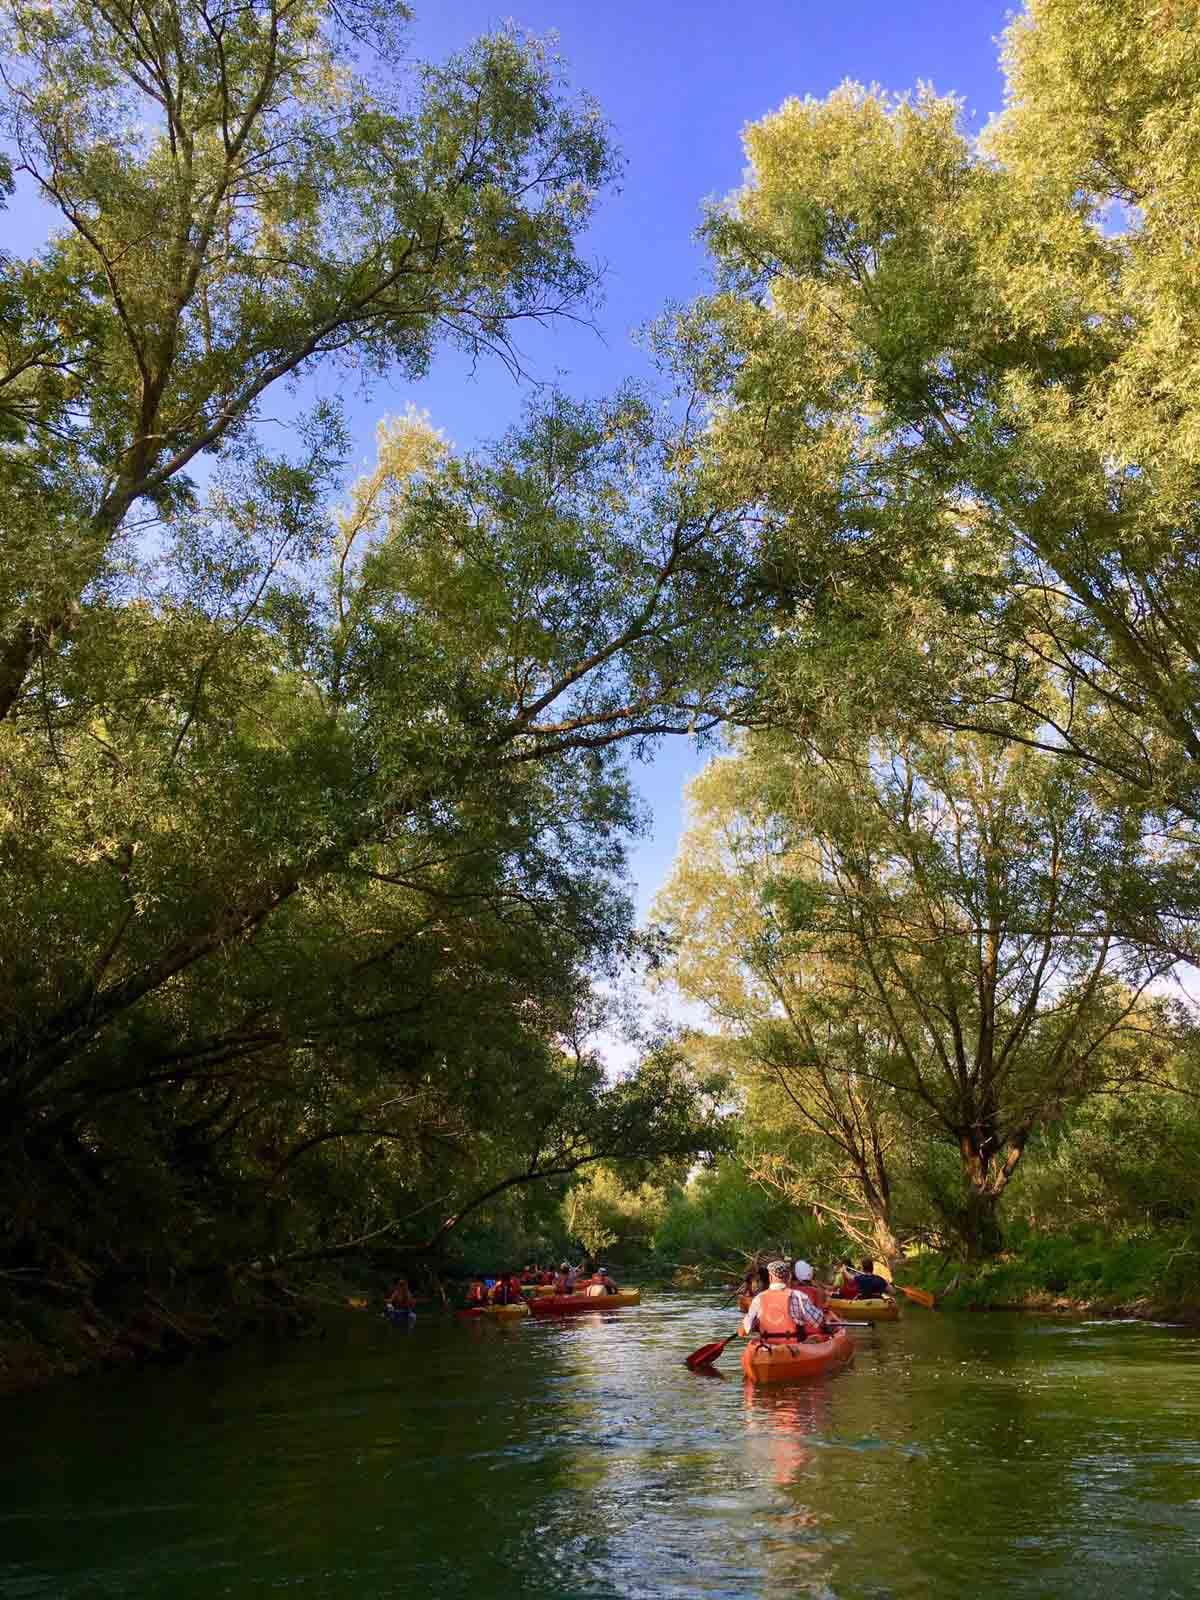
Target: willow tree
[
  {"x": 244, "y": 193},
  {"x": 306, "y": 893},
  {"x": 960, "y": 378},
  {"x": 927, "y": 936},
  {"x": 312, "y": 816},
  {"x": 819, "y": 1130}
]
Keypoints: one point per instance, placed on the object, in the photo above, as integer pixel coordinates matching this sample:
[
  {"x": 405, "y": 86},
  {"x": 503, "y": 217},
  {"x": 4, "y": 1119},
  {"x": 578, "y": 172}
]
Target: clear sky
[{"x": 679, "y": 80}]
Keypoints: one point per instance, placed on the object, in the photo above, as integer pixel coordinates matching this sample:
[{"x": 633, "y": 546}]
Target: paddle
[
  {"x": 921, "y": 1296},
  {"x": 707, "y": 1353}
]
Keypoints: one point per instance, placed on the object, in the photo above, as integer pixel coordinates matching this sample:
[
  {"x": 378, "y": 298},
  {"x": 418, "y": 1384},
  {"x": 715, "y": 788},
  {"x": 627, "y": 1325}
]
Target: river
[{"x": 998, "y": 1454}]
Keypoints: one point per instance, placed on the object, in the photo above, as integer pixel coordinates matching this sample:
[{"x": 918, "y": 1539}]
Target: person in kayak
[
  {"x": 601, "y": 1284},
  {"x": 780, "y": 1312},
  {"x": 564, "y": 1283},
  {"x": 870, "y": 1285},
  {"x": 803, "y": 1279},
  {"x": 845, "y": 1284},
  {"x": 504, "y": 1294},
  {"x": 756, "y": 1280},
  {"x": 400, "y": 1307},
  {"x": 477, "y": 1294}
]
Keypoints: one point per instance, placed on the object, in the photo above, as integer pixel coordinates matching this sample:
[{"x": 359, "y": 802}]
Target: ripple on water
[{"x": 582, "y": 1461}]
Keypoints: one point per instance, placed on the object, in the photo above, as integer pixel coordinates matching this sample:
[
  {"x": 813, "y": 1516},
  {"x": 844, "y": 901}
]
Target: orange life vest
[{"x": 775, "y": 1318}]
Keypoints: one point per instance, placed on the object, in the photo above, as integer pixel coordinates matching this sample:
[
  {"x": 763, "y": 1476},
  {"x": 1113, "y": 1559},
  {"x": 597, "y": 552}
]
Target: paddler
[
  {"x": 564, "y": 1283},
  {"x": 400, "y": 1305},
  {"x": 601, "y": 1284},
  {"x": 477, "y": 1294},
  {"x": 803, "y": 1279},
  {"x": 781, "y": 1312},
  {"x": 845, "y": 1284},
  {"x": 507, "y": 1291},
  {"x": 870, "y": 1285}
]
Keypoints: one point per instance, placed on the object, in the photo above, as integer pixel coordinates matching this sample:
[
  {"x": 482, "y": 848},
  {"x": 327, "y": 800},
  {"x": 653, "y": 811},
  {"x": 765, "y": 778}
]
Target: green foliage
[
  {"x": 1157, "y": 1271},
  {"x": 907, "y": 941},
  {"x": 721, "y": 1216},
  {"x": 312, "y": 829},
  {"x": 613, "y": 1221},
  {"x": 959, "y": 380}
]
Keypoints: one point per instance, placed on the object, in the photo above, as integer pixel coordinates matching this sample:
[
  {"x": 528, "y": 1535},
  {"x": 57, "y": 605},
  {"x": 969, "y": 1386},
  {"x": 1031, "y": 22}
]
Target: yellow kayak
[{"x": 878, "y": 1310}]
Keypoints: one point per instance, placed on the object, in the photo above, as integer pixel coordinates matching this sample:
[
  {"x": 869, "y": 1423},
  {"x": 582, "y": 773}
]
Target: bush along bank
[
  {"x": 1153, "y": 1274},
  {"x": 69, "y": 1326}
]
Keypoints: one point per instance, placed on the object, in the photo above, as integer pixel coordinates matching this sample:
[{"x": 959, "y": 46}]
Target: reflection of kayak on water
[{"x": 517, "y": 1308}]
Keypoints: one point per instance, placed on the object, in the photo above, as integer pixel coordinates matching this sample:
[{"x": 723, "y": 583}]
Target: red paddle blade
[{"x": 706, "y": 1354}]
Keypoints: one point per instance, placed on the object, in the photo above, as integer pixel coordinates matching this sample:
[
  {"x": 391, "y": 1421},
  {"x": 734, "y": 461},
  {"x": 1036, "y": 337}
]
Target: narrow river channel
[{"x": 997, "y": 1455}]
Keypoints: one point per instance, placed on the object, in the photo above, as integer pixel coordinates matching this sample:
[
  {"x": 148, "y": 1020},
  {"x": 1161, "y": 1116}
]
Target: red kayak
[{"x": 564, "y": 1305}]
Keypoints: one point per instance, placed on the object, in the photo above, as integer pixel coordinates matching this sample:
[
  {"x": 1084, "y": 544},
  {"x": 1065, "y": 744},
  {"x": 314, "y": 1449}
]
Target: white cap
[{"x": 802, "y": 1272}]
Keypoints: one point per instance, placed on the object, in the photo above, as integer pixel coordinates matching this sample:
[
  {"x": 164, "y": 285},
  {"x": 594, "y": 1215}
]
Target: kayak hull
[
  {"x": 786, "y": 1362},
  {"x": 565, "y": 1305},
  {"x": 879, "y": 1310},
  {"x": 497, "y": 1313}
]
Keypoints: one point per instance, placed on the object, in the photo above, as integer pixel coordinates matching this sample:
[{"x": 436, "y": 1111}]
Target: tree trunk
[
  {"x": 979, "y": 1225},
  {"x": 885, "y": 1247}
]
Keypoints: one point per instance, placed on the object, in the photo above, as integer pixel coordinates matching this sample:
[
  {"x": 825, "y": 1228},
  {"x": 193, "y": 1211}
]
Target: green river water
[{"x": 994, "y": 1454}]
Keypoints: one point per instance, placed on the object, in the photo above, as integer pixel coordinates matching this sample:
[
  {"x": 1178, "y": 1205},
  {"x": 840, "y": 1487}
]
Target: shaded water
[{"x": 997, "y": 1453}]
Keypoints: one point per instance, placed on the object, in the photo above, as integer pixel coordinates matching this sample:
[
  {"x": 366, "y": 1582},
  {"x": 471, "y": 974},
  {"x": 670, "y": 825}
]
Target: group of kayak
[
  {"x": 546, "y": 1293},
  {"x": 793, "y": 1325}
]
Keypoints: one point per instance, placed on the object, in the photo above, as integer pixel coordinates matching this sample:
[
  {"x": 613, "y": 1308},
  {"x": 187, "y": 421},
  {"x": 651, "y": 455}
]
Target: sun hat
[{"x": 803, "y": 1272}]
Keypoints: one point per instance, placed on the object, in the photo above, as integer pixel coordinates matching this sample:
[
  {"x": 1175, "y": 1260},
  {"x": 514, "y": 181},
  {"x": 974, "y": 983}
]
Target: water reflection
[
  {"x": 582, "y": 1461},
  {"x": 778, "y": 1419}
]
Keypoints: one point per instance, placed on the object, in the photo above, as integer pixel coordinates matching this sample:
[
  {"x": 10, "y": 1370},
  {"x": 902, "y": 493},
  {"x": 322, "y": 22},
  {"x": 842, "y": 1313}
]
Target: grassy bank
[{"x": 1150, "y": 1274}]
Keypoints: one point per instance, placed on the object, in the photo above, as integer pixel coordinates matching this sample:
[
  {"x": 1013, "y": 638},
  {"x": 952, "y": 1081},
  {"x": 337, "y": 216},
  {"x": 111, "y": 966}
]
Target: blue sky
[{"x": 678, "y": 81}]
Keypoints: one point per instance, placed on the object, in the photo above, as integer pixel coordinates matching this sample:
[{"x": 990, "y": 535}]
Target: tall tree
[
  {"x": 317, "y": 850},
  {"x": 935, "y": 917},
  {"x": 960, "y": 379},
  {"x": 245, "y": 192},
  {"x": 819, "y": 1129}
]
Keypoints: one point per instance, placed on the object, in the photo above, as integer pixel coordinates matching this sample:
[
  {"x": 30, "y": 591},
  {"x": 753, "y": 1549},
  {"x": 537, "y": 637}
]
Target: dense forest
[{"x": 315, "y": 788}]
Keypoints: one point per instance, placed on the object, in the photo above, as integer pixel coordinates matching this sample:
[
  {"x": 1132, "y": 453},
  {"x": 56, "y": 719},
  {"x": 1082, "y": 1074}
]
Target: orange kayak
[
  {"x": 785, "y": 1362},
  {"x": 562, "y": 1305}
]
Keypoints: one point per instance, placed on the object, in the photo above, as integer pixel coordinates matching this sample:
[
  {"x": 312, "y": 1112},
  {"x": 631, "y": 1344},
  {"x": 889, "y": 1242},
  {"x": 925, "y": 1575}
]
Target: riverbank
[
  {"x": 57, "y": 1329},
  {"x": 1153, "y": 1276}
]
